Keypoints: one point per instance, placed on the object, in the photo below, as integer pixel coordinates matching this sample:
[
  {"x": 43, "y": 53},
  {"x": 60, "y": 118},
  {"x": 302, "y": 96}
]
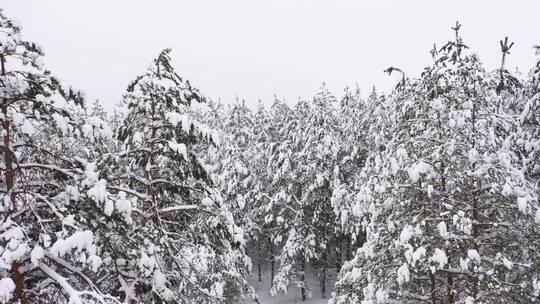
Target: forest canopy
[{"x": 428, "y": 193}]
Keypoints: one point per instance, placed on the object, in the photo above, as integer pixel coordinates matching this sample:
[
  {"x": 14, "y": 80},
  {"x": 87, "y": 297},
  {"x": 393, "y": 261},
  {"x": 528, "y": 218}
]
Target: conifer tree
[
  {"x": 449, "y": 214},
  {"x": 183, "y": 244},
  {"x": 303, "y": 164},
  {"x": 48, "y": 249}
]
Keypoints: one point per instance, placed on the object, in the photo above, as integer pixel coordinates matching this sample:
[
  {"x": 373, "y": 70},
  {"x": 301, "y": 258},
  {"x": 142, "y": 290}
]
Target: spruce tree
[
  {"x": 449, "y": 214},
  {"x": 303, "y": 164},
  {"x": 49, "y": 250},
  {"x": 183, "y": 244}
]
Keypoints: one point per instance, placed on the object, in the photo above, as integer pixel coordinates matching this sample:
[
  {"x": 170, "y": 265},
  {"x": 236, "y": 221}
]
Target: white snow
[
  {"x": 507, "y": 263},
  {"x": 418, "y": 254},
  {"x": 27, "y": 128},
  {"x": 160, "y": 285},
  {"x": 522, "y": 204},
  {"x": 87, "y": 130},
  {"x": 430, "y": 190},
  {"x": 451, "y": 123},
  {"x": 123, "y": 206},
  {"x": 36, "y": 255},
  {"x": 207, "y": 202},
  {"x": 403, "y": 275},
  {"x": 179, "y": 148},
  {"x": 406, "y": 234},
  {"x": 473, "y": 255},
  {"x": 416, "y": 170},
  {"x": 381, "y": 296},
  {"x": 6, "y": 289},
  {"x": 217, "y": 289},
  {"x": 439, "y": 257},
  {"x": 507, "y": 190},
  {"x": 241, "y": 202},
  {"x": 98, "y": 192},
  {"x": 78, "y": 240},
  {"x": 443, "y": 231},
  {"x": 108, "y": 208},
  {"x": 129, "y": 290},
  {"x": 94, "y": 261},
  {"x": 473, "y": 155},
  {"x": 15, "y": 250},
  {"x": 61, "y": 122},
  {"x": 174, "y": 118}
]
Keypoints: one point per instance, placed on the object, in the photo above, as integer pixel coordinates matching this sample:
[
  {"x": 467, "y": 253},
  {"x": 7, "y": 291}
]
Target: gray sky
[{"x": 255, "y": 49}]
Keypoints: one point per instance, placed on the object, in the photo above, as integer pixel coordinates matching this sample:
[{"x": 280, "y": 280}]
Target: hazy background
[{"x": 255, "y": 49}]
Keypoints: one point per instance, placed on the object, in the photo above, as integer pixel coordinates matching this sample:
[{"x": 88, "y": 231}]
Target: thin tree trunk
[
  {"x": 475, "y": 215},
  {"x": 349, "y": 249},
  {"x": 449, "y": 276},
  {"x": 303, "y": 278},
  {"x": 475, "y": 234},
  {"x": 18, "y": 278},
  {"x": 450, "y": 282},
  {"x": 259, "y": 259},
  {"x": 8, "y": 159},
  {"x": 343, "y": 249},
  {"x": 8, "y": 155},
  {"x": 272, "y": 263},
  {"x": 433, "y": 290},
  {"x": 338, "y": 254},
  {"x": 323, "y": 275}
]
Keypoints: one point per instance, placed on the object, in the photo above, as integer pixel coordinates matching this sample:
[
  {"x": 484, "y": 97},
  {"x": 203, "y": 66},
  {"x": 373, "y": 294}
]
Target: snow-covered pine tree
[
  {"x": 183, "y": 245},
  {"x": 451, "y": 216},
  {"x": 304, "y": 165},
  {"x": 358, "y": 117},
  {"x": 231, "y": 163},
  {"x": 268, "y": 189},
  {"x": 259, "y": 191},
  {"x": 48, "y": 249},
  {"x": 235, "y": 174}
]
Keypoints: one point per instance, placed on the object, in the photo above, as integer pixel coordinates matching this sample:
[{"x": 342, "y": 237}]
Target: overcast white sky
[{"x": 255, "y": 49}]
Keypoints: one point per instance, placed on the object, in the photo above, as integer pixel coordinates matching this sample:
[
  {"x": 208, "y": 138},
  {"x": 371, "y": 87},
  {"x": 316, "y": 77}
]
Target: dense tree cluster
[
  {"x": 92, "y": 214},
  {"x": 427, "y": 194}
]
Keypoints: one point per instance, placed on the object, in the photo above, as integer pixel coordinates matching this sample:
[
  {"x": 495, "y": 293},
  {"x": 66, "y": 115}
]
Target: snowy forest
[{"x": 424, "y": 194}]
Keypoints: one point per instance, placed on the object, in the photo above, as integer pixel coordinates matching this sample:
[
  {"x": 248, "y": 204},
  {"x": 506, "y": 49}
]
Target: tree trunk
[
  {"x": 8, "y": 160},
  {"x": 259, "y": 259},
  {"x": 343, "y": 249},
  {"x": 323, "y": 274},
  {"x": 338, "y": 254},
  {"x": 433, "y": 290},
  {"x": 8, "y": 155},
  {"x": 18, "y": 279},
  {"x": 303, "y": 277},
  {"x": 476, "y": 215},
  {"x": 348, "y": 251},
  {"x": 450, "y": 282},
  {"x": 475, "y": 234},
  {"x": 271, "y": 246}
]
